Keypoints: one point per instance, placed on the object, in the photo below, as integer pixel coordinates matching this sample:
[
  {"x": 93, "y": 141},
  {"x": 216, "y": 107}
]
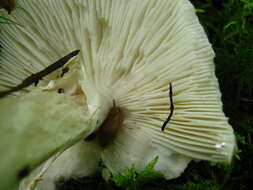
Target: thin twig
[
  {"x": 34, "y": 78},
  {"x": 171, "y": 108}
]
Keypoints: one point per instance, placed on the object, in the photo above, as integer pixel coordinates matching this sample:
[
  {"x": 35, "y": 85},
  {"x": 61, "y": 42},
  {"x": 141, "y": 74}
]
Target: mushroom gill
[{"x": 130, "y": 52}]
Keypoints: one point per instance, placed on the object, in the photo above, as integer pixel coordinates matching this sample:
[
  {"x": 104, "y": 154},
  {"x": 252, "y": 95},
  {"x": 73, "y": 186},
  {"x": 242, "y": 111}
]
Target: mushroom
[{"x": 131, "y": 51}]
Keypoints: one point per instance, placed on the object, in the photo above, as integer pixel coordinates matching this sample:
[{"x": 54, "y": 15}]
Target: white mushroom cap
[{"x": 130, "y": 52}]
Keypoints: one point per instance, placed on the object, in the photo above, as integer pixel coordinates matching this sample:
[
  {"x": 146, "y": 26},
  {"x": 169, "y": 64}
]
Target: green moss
[{"x": 130, "y": 180}]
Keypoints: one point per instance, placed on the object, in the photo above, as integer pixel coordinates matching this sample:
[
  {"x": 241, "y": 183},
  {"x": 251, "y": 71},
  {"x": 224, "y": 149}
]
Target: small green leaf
[
  {"x": 130, "y": 180},
  {"x": 149, "y": 173},
  {"x": 126, "y": 179},
  {"x": 229, "y": 24},
  {"x": 200, "y": 11},
  {"x": 241, "y": 139},
  {"x": 237, "y": 154}
]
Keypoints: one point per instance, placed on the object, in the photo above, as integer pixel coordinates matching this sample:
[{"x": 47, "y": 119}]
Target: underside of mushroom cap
[{"x": 130, "y": 52}]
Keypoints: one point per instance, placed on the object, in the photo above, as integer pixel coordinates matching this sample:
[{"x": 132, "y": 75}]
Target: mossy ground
[{"x": 229, "y": 26}]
